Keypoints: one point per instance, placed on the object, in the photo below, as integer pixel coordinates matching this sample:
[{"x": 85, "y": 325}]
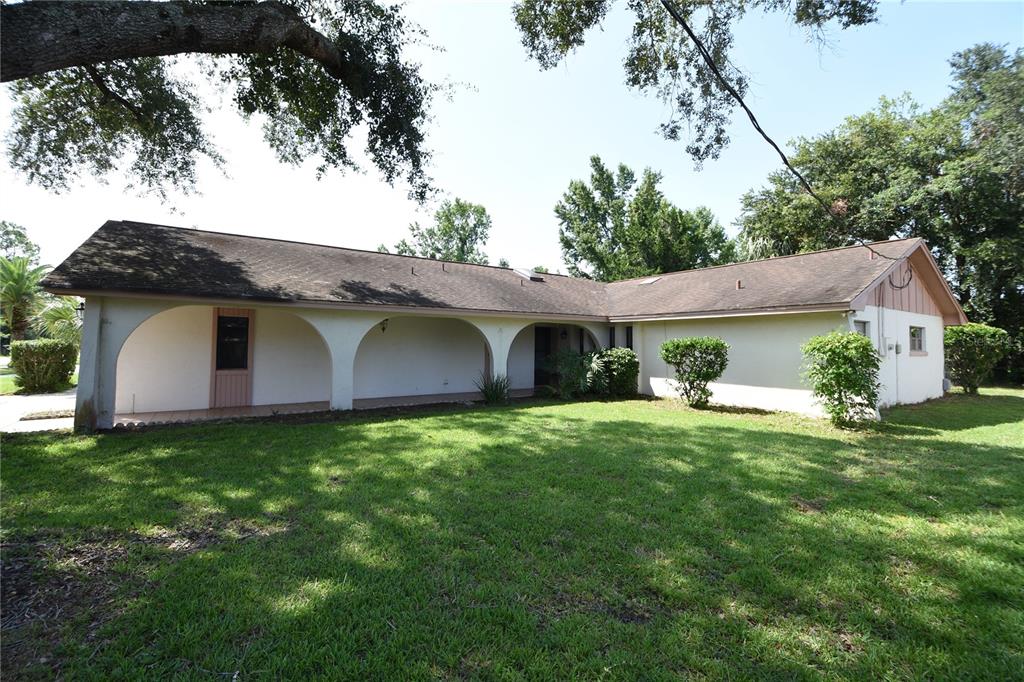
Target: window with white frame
[
  {"x": 861, "y": 327},
  {"x": 917, "y": 340}
]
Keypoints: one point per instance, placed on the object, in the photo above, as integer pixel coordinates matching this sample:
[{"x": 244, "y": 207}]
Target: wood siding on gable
[{"x": 913, "y": 298}]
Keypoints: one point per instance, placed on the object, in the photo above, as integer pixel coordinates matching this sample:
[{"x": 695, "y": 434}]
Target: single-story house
[{"x": 182, "y": 320}]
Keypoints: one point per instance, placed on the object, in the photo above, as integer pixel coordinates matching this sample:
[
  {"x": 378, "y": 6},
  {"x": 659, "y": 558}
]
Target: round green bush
[
  {"x": 842, "y": 368},
  {"x": 698, "y": 360},
  {"x": 972, "y": 351},
  {"x": 43, "y": 365},
  {"x": 622, "y": 367}
]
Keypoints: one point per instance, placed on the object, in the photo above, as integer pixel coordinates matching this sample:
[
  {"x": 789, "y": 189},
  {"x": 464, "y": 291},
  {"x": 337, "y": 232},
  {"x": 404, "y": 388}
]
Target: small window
[
  {"x": 917, "y": 340},
  {"x": 861, "y": 327},
  {"x": 581, "y": 341},
  {"x": 232, "y": 342},
  {"x": 611, "y": 337},
  {"x": 629, "y": 338}
]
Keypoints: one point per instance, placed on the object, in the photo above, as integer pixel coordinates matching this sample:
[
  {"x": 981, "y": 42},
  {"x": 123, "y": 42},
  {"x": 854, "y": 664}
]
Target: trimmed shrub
[
  {"x": 496, "y": 389},
  {"x": 698, "y": 360},
  {"x": 622, "y": 367},
  {"x": 43, "y": 365},
  {"x": 972, "y": 351},
  {"x": 842, "y": 368}
]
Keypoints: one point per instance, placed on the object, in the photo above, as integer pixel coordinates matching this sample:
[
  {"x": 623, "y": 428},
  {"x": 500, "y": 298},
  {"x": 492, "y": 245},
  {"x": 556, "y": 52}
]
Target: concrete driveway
[{"x": 14, "y": 407}]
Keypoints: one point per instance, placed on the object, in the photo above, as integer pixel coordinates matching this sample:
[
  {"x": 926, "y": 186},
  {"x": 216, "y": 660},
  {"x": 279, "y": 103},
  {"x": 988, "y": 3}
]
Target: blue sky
[{"x": 514, "y": 138}]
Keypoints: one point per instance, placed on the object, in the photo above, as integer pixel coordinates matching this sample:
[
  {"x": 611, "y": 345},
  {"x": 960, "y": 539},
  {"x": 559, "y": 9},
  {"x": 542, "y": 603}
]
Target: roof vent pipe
[{"x": 739, "y": 284}]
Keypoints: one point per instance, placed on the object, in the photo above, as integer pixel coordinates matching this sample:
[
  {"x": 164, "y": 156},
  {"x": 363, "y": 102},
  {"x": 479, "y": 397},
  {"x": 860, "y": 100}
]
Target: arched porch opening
[
  {"x": 531, "y": 355},
  {"x": 407, "y": 360},
  {"x": 168, "y": 365}
]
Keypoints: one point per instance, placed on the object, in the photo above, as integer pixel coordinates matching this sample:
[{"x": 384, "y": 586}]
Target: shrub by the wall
[
  {"x": 972, "y": 351},
  {"x": 622, "y": 367},
  {"x": 698, "y": 360},
  {"x": 842, "y": 368},
  {"x": 496, "y": 389},
  {"x": 597, "y": 373},
  {"x": 43, "y": 365}
]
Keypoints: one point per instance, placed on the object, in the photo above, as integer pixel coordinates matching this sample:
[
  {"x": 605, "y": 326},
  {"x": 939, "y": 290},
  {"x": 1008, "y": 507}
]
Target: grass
[{"x": 618, "y": 540}]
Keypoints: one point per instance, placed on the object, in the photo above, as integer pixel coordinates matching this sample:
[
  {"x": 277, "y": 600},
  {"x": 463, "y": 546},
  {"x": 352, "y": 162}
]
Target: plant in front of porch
[
  {"x": 698, "y": 360},
  {"x": 842, "y": 368},
  {"x": 43, "y": 365},
  {"x": 496, "y": 389}
]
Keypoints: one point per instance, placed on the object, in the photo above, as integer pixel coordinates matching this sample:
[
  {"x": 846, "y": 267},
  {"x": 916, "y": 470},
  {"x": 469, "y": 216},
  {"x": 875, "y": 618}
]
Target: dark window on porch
[
  {"x": 629, "y": 338},
  {"x": 581, "y": 341},
  {"x": 232, "y": 342},
  {"x": 611, "y": 337}
]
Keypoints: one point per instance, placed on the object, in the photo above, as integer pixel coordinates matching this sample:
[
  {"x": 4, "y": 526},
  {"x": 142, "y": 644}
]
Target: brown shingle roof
[
  {"x": 139, "y": 257},
  {"x": 818, "y": 279},
  {"x": 131, "y": 257}
]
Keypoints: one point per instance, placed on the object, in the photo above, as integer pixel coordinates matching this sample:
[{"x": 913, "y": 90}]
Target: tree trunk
[{"x": 47, "y": 35}]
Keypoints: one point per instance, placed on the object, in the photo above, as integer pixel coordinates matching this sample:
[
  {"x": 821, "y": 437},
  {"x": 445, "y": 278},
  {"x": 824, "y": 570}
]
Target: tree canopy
[
  {"x": 662, "y": 60},
  {"x": 458, "y": 234},
  {"x": 14, "y": 242},
  {"x": 108, "y": 85},
  {"x": 96, "y": 86},
  {"x": 616, "y": 228},
  {"x": 953, "y": 175}
]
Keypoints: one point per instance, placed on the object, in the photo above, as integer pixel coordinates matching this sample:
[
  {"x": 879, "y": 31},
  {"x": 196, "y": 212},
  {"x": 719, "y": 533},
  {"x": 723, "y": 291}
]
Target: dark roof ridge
[
  {"x": 770, "y": 258},
  {"x": 326, "y": 246}
]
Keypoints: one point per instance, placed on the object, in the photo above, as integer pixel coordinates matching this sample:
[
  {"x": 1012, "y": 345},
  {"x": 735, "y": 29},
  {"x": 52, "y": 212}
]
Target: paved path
[{"x": 14, "y": 407}]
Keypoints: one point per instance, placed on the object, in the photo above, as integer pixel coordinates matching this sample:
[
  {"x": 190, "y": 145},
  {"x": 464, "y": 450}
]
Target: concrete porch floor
[
  {"x": 182, "y": 416},
  {"x": 255, "y": 411}
]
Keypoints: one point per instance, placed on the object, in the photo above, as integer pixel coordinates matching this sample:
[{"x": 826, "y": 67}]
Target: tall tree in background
[
  {"x": 663, "y": 61},
  {"x": 615, "y": 228},
  {"x": 95, "y": 86},
  {"x": 14, "y": 242},
  {"x": 953, "y": 175},
  {"x": 459, "y": 232}
]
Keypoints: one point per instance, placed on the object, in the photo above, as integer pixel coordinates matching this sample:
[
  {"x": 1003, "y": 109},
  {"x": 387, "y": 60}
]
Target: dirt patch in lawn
[{"x": 59, "y": 588}]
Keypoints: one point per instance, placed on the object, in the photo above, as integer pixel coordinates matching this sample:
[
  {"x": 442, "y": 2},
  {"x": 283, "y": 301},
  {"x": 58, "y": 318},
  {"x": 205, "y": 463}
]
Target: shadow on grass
[{"x": 552, "y": 541}]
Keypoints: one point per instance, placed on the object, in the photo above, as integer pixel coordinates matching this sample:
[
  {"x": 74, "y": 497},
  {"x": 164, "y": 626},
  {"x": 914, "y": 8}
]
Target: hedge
[
  {"x": 972, "y": 351},
  {"x": 43, "y": 365}
]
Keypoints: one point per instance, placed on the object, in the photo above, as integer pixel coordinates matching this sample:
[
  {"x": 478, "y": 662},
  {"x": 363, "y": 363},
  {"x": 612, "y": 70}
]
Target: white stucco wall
[
  {"x": 291, "y": 363},
  {"x": 905, "y": 378},
  {"x": 418, "y": 356},
  {"x": 165, "y": 363},
  {"x": 765, "y": 361},
  {"x": 520, "y": 359}
]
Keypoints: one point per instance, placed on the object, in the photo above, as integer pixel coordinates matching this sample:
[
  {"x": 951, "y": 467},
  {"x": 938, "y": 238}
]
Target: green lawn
[{"x": 617, "y": 540}]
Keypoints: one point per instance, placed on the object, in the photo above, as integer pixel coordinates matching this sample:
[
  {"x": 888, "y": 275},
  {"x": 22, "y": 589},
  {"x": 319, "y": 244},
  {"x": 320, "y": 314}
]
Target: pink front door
[{"x": 231, "y": 383}]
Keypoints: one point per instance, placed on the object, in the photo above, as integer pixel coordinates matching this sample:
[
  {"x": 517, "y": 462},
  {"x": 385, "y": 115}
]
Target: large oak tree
[{"x": 96, "y": 89}]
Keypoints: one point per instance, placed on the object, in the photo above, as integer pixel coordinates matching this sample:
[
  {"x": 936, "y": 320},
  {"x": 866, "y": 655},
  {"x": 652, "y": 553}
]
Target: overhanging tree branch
[
  {"x": 47, "y": 35},
  {"x": 728, "y": 87}
]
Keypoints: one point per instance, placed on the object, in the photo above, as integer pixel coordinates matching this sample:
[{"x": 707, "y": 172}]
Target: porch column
[
  {"x": 106, "y": 325},
  {"x": 500, "y": 333},
  {"x": 342, "y": 332}
]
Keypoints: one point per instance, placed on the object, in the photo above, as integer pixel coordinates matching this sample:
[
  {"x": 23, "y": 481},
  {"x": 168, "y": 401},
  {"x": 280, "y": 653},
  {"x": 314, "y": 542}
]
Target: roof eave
[{"x": 437, "y": 311}]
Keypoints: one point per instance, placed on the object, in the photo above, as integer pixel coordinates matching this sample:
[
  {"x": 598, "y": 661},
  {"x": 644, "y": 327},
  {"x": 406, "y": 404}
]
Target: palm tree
[
  {"x": 19, "y": 292},
  {"x": 59, "y": 320}
]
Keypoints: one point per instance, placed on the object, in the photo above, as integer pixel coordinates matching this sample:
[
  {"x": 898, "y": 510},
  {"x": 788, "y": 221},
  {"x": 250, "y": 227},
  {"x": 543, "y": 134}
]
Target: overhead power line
[{"x": 728, "y": 87}]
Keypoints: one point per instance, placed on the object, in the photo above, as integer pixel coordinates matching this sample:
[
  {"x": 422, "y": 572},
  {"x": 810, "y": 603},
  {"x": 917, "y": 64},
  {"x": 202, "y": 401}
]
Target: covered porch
[{"x": 172, "y": 362}]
